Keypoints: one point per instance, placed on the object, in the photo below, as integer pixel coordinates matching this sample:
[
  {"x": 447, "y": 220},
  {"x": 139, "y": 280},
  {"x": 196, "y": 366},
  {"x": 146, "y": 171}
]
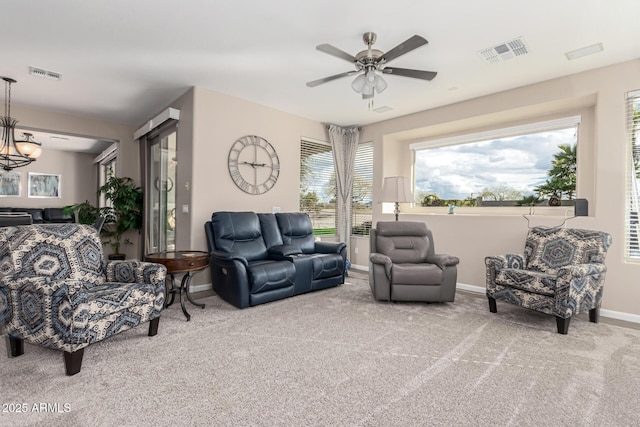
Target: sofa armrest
[
  {"x": 497, "y": 262},
  {"x": 578, "y": 288},
  {"x": 136, "y": 272},
  {"x": 226, "y": 259},
  {"x": 329, "y": 247},
  {"x": 281, "y": 252},
  {"x": 45, "y": 286},
  {"x": 52, "y": 295},
  {"x": 443, "y": 260},
  {"x": 505, "y": 261},
  {"x": 582, "y": 270}
]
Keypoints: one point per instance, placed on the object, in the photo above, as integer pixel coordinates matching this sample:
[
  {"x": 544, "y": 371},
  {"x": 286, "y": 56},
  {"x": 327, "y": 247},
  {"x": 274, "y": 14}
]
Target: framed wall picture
[
  {"x": 10, "y": 184},
  {"x": 44, "y": 185}
]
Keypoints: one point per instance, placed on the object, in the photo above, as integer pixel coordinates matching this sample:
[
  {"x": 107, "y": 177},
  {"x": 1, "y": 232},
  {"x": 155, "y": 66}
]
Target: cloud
[{"x": 461, "y": 171}]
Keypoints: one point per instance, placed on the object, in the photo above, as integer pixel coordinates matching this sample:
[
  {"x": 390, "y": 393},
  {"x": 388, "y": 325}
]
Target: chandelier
[{"x": 15, "y": 153}]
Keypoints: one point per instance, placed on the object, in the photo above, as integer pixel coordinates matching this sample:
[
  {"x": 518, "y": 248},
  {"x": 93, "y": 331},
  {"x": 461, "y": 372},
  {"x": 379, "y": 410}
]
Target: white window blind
[
  {"x": 632, "y": 199},
  {"x": 362, "y": 190},
  {"x": 318, "y": 185}
]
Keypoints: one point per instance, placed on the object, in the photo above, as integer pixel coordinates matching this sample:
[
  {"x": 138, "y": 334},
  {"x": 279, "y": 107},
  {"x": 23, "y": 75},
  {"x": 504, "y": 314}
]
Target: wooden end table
[{"x": 181, "y": 262}]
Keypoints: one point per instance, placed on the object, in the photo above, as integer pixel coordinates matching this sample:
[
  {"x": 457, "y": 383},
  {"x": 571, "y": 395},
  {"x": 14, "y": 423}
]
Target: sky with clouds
[{"x": 461, "y": 171}]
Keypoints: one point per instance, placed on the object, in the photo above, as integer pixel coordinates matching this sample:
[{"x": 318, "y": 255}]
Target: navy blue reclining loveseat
[{"x": 257, "y": 257}]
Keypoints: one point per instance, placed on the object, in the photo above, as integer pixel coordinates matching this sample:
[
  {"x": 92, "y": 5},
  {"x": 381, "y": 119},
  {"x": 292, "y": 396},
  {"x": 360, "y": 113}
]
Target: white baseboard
[
  {"x": 360, "y": 267},
  {"x": 472, "y": 288},
  {"x": 200, "y": 288},
  {"x": 618, "y": 315}
]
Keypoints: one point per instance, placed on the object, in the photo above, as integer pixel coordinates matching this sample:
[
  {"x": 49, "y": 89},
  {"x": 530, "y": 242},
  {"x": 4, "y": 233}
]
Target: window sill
[{"x": 538, "y": 211}]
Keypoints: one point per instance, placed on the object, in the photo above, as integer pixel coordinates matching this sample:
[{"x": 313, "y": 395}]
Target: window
[
  {"x": 362, "y": 190},
  {"x": 318, "y": 185},
  {"x": 528, "y": 165},
  {"x": 107, "y": 162},
  {"x": 632, "y": 228}
]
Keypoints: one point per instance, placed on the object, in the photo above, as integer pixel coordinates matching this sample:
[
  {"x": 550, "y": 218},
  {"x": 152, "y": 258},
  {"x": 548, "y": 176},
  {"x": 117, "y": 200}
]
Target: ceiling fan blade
[
  {"x": 330, "y": 78},
  {"x": 334, "y": 51},
  {"x": 405, "y": 72},
  {"x": 404, "y": 47}
]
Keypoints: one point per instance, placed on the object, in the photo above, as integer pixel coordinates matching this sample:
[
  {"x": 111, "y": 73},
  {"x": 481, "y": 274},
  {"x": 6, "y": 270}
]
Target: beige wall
[
  {"x": 218, "y": 121},
  {"x": 75, "y": 183},
  {"x": 601, "y": 94}
]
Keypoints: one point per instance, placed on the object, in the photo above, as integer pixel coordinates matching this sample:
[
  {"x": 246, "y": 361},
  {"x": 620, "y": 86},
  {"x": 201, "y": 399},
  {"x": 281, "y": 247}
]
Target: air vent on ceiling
[
  {"x": 383, "y": 109},
  {"x": 505, "y": 51},
  {"x": 584, "y": 51},
  {"x": 45, "y": 74}
]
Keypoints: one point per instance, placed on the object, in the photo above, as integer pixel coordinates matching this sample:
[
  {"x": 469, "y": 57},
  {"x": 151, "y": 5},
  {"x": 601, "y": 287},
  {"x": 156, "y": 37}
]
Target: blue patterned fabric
[
  {"x": 561, "y": 271},
  {"x": 56, "y": 290}
]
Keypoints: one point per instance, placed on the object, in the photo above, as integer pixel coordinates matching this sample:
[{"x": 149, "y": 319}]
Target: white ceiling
[{"x": 124, "y": 60}]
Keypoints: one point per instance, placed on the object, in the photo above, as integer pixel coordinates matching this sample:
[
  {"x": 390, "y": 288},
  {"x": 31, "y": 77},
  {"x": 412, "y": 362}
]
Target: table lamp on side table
[{"x": 396, "y": 189}]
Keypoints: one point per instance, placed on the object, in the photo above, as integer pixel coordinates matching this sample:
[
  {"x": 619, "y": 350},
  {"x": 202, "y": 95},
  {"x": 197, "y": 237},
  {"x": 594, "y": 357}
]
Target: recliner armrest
[
  {"x": 226, "y": 258},
  {"x": 330, "y": 247},
  {"x": 443, "y": 260},
  {"x": 283, "y": 251},
  {"x": 381, "y": 259}
]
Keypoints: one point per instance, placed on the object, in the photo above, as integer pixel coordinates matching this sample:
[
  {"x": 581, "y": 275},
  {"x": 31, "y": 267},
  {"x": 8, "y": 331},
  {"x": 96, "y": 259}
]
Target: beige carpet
[{"x": 338, "y": 358}]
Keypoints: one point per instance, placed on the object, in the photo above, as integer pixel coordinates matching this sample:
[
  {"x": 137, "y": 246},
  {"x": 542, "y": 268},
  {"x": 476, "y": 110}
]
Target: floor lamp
[{"x": 396, "y": 189}]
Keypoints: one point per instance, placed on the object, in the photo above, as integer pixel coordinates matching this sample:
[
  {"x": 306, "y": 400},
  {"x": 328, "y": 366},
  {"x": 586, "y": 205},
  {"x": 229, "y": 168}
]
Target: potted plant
[
  {"x": 85, "y": 212},
  {"x": 123, "y": 214}
]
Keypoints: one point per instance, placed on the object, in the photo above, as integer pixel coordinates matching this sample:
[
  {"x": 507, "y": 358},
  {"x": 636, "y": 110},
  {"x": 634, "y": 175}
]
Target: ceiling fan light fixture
[
  {"x": 358, "y": 83},
  {"x": 371, "y": 76},
  {"x": 380, "y": 84},
  {"x": 367, "y": 62},
  {"x": 367, "y": 90}
]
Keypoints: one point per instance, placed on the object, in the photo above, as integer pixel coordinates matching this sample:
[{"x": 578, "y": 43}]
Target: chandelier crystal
[{"x": 15, "y": 153}]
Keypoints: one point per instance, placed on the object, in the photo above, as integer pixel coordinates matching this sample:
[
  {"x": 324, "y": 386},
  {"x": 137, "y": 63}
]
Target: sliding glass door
[{"x": 161, "y": 191}]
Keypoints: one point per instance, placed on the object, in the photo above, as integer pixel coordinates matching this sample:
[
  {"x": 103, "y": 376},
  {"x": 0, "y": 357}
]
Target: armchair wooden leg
[
  {"x": 492, "y": 305},
  {"x": 563, "y": 325},
  {"x": 73, "y": 361},
  {"x": 153, "y": 326},
  {"x": 16, "y": 346},
  {"x": 594, "y": 315}
]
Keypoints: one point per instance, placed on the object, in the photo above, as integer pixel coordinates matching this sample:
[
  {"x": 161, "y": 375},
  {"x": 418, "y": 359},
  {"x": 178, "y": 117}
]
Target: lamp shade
[
  {"x": 358, "y": 83},
  {"x": 396, "y": 189}
]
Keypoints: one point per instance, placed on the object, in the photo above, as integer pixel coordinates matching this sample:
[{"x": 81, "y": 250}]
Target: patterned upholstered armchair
[
  {"x": 57, "y": 291},
  {"x": 561, "y": 273}
]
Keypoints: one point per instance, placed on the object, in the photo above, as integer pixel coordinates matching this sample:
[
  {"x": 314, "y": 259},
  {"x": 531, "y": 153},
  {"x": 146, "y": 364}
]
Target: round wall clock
[{"x": 253, "y": 164}]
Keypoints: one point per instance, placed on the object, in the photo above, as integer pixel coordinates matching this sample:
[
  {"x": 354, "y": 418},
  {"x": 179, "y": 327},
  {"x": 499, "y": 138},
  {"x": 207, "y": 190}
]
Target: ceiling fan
[{"x": 371, "y": 63}]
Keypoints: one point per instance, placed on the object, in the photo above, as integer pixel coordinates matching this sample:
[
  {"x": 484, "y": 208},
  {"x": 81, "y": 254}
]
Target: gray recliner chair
[{"x": 403, "y": 265}]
